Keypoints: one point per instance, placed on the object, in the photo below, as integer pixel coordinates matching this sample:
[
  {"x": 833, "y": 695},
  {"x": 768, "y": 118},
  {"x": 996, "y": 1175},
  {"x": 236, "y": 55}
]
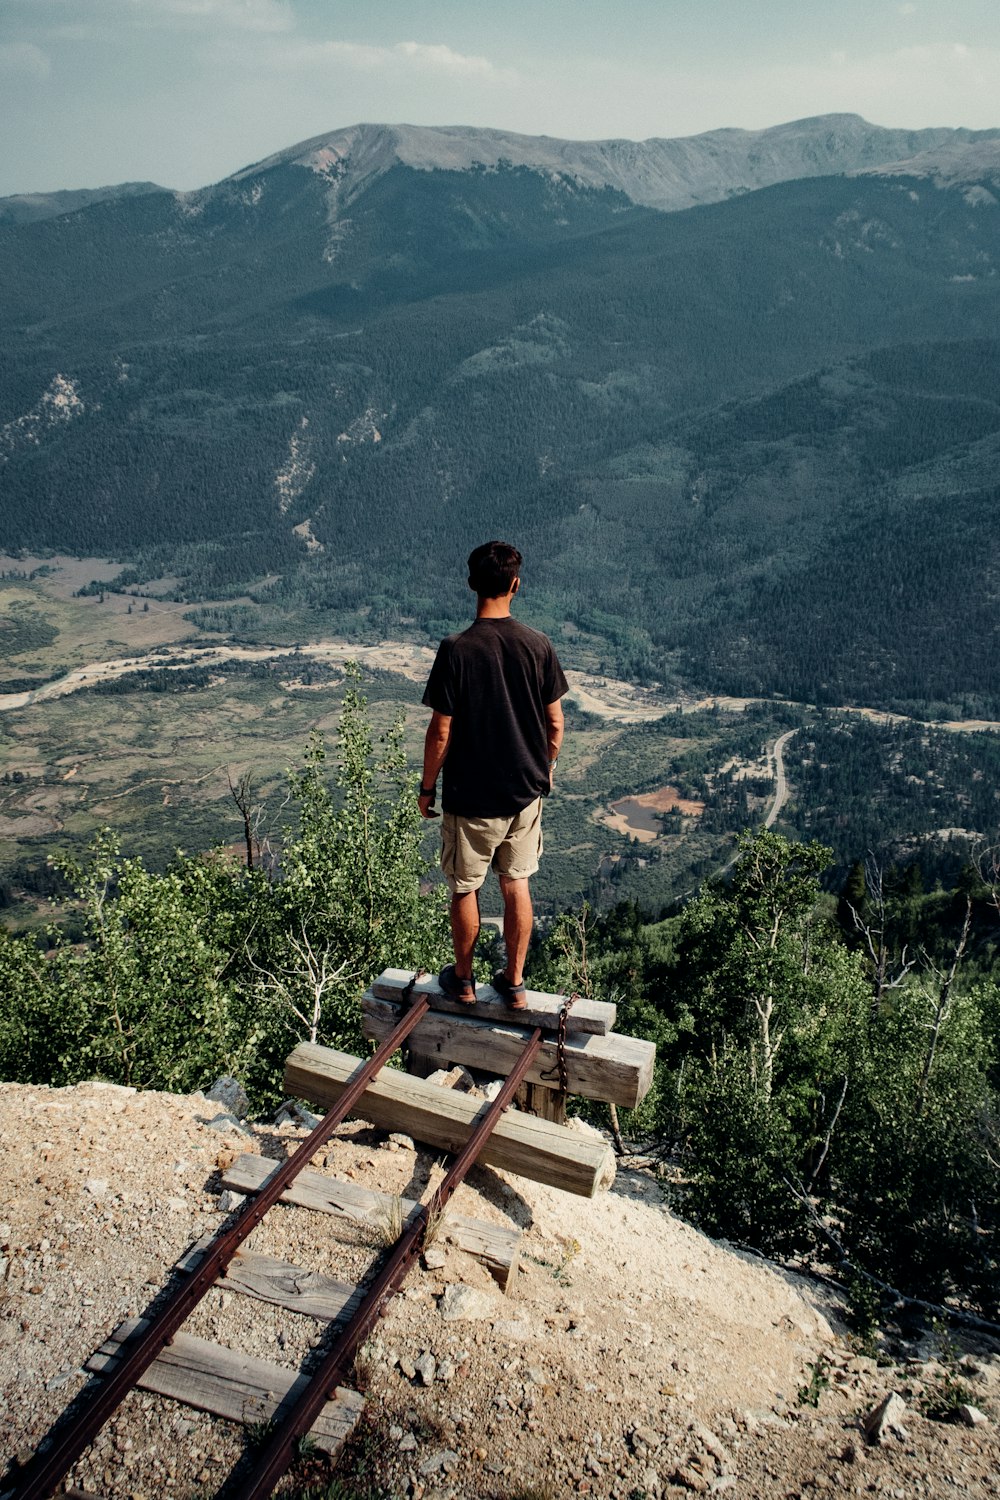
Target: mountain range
[{"x": 736, "y": 395}]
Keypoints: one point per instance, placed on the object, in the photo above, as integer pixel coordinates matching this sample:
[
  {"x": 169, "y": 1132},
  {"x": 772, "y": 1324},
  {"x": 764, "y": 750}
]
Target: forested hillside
[{"x": 750, "y": 445}]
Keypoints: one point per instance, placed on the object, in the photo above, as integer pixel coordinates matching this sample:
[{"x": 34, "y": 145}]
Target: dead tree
[
  {"x": 943, "y": 1004},
  {"x": 871, "y": 925}
]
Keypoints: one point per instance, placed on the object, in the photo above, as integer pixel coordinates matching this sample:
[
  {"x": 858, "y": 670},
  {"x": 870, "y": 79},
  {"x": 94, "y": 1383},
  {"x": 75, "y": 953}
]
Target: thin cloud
[
  {"x": 415, "y": 59},
  {"x": 443, "y": 59},
  {"x": 24, "y": 59}
]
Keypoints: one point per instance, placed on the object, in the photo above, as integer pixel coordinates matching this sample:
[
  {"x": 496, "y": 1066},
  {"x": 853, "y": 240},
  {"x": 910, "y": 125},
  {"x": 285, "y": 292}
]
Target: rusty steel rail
[
  {"x": 272, "y": 1461},
  {"x": 45, "y": 1471}
]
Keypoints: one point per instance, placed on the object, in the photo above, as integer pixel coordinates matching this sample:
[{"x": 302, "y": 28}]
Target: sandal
[
  {"x": 455, "y": 987},
  {"x": 514, "y": 996}
]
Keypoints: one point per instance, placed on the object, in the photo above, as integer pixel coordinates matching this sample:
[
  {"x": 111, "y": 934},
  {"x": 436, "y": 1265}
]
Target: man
[{"x": 496, "y": 728}]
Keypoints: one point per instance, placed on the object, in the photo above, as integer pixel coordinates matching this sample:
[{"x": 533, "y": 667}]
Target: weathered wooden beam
[
  {"x": 229, "y": 1384},
  {"x": 443, "y": 1118},
  {"x": 310, "y": 1293},
  {"x": 546, "y": 1103},
  {"x": 496, "y": 1246},
  {"x": 617, "y": 1069},
  {"x": 595, "y": 1017}
]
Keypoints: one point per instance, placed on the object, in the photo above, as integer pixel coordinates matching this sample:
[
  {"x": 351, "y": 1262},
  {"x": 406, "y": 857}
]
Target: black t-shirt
[{"x": 494, "y": 682}]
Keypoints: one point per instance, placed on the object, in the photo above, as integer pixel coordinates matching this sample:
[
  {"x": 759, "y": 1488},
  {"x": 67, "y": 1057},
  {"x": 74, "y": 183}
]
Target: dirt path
[
  {"x": 780, "y": 781},
  {"x": 607, "y": 697}
]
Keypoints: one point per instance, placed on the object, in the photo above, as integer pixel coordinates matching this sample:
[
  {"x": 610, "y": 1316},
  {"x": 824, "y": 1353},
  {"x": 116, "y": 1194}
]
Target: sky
[{"x": 184, "y": 92}]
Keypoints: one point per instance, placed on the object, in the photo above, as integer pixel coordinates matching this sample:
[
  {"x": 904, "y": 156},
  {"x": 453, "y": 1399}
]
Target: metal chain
[
  {"x": 406, "y": 997},
  {"x": 406, "y": 1002},
  {"x": 560, "y": 1067}
]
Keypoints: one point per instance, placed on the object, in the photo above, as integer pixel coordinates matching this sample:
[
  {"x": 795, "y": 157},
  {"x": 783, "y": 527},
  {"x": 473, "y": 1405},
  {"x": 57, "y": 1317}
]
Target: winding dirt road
[{"x": 780, "y": 780}]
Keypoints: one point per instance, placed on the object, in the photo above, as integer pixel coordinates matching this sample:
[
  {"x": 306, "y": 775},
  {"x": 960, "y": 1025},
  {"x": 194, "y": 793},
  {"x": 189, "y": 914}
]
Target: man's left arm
[{"x": 554, "y": 729}]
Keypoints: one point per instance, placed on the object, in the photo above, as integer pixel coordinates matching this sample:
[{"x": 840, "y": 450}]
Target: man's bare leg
[
  {"x": 464, "y": 931},
  {"x": 518, "y": 920}
]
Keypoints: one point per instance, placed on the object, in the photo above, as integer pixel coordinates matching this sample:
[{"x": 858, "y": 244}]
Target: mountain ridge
[
  {"x": 666, "y": 173},
  {"x": 29, "y": 208}
]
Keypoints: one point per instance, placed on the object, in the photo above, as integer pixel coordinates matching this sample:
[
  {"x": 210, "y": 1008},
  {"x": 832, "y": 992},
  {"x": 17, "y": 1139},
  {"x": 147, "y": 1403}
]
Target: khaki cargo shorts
[{"x": 513, "y": 846}]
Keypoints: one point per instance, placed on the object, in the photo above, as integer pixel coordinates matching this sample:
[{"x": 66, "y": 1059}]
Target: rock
[
  {"x": 535, "y": 1374},
  {"x": 708, "y": 1440},
  {"x": 453, "y": 1078},
  {"x": 691, "y": 1479},
  {"x": 435, "y": 1258},
  {"x": 305, "y": 1116},
  {"x": 723, "y": 1483},
  {"x": 230, "y": 1094},
  {"x": 461, "y": 1301},
  {"x": 972, "y": 1416},
  {"x": 401, "y": 1142},
  {"x": 407, "y": 1367},
  {"x": 407, "y": 1443},
  {"x": 886, "y": 1419},
  {"x": 425, "y": 1367},
  {"x": 647, "y": 1436},
  {"x": 651, "y": 1483},
  {"x": 445, "y": 1459},
  {"x": 446, "y": 1371},
  {"x": 229, "y": 1201},
  {"x": 513, "y": 1328},
  {"x": 97, "y": 1187},
  {"x": 176, "y": 1205},
  {"x": 5, "y": 1232},
  {"x": 225, "y": 1124}
]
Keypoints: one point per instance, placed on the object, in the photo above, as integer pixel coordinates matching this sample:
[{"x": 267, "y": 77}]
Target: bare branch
[
  {"x": 953, "y": 1314},
  {"x": 829, "y": 1135},
  {"x": 943, "y": 1007}
]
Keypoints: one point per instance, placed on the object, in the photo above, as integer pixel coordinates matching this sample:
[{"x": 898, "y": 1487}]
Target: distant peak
[{"x": 662, "y": 172}]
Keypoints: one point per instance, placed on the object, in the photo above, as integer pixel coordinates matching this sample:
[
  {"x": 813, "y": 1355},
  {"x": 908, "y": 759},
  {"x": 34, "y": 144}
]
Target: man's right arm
[{"x": 435, "y": 749}]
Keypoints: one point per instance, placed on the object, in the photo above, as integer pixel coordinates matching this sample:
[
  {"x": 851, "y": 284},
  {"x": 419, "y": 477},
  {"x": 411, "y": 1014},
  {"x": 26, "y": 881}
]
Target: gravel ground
[{"x": 632, "y": 1356}]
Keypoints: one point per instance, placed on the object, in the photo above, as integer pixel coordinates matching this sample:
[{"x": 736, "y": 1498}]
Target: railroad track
[{"x": 308, "y": 1396}]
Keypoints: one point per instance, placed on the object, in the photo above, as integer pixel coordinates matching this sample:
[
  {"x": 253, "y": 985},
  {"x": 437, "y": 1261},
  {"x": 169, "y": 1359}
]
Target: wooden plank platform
[
  {"x": 618, "y": 1069},
  {"x": 496, "y": 1246},
  {"x": 594, "y": 1017},
  {"x": 228, "y": 1384},
  {"x": 310, "y": 1293},
  {"x": 443, "y": 1118}
]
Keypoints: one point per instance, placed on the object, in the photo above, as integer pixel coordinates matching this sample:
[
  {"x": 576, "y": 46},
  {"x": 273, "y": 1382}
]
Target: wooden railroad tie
[
  {"x": 229, "y": 1384},
  {"x": 595, "y": 1017},
  {"x": 497, "y": 1247},
  {"x": 599, "y": 1063},
  {"x": 444, "y": 1118}
]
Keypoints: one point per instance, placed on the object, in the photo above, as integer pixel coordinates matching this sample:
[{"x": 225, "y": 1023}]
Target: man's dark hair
[{"x": 493, "y": 568}]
